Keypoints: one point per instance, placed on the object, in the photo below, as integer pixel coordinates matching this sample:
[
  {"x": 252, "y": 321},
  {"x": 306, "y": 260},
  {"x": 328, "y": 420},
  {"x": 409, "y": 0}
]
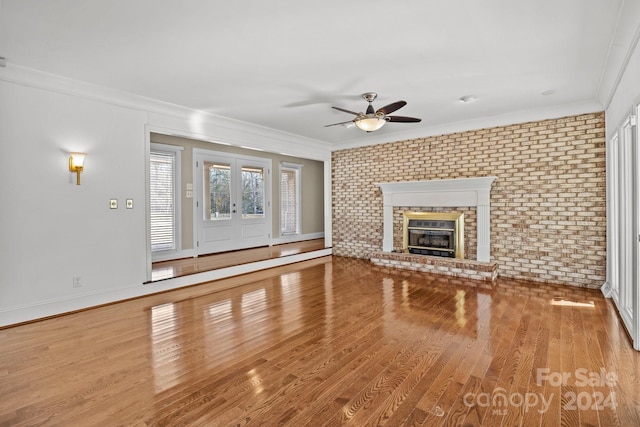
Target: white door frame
[
  {"x": 635, "y": 284},
  {"x": 623, "y": 224},
  {"x": 198, "y": 195}
]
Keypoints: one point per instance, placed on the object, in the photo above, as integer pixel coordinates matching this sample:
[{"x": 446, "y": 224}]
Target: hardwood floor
[
  {"x": 185, "y": 266},
  {"x": 331, "y": 341}
]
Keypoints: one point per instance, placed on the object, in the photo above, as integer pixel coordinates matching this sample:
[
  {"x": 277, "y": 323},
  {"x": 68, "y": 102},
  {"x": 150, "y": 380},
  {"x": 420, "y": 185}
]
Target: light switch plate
[
  {"x": 189, "y": 186},
  {"x": 113, "y": 203},
  {"x": 129, "y": 203}
]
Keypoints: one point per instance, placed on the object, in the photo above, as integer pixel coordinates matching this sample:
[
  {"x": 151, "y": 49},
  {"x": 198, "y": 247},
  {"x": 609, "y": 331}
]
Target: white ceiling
[{"x": 283, "y": 63}]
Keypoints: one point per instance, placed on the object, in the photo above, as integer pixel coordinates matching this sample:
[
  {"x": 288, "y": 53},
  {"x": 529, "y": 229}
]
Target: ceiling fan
[{"x": 373, "y": 120}]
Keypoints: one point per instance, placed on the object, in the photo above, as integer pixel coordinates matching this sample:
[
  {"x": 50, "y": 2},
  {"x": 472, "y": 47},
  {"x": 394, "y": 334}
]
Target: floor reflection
[
  {"x": 162, "y": 273},
  {"x": 460, "y": 311},
  {"x": 424, "y": 302},
  {"x": 165, "y": 335}
]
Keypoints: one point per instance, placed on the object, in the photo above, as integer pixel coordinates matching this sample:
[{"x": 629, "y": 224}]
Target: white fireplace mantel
[{"x": 460, "y": 192}]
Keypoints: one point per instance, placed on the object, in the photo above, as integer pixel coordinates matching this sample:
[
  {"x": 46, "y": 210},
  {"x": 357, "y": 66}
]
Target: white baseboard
[
  {"x": 171, "y": 255},
  {"x": 296, "y": 238},
  {"x": 606, "y": 290}
]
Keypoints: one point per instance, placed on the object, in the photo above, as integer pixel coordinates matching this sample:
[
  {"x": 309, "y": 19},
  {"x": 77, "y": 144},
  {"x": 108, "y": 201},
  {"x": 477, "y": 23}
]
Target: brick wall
[{"x": 548, "y": 218}]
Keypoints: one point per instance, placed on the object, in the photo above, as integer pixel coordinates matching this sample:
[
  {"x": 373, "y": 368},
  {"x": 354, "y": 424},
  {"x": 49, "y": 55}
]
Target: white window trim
[
  {"x": 177, "y": 226},
  {"x": 298, "y": 169}
]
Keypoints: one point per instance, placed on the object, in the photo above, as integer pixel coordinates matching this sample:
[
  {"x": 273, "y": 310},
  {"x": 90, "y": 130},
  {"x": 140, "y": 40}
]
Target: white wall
[{"x": 51, "y": 229}]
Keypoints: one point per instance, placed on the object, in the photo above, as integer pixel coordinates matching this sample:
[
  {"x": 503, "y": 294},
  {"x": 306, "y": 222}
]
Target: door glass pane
[
  {"x": 252, "y": 192},
  {"x": 217, "y": 190}
]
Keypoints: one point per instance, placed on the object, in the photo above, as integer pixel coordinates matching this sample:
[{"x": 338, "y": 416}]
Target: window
[
  {"x": 290, "y": 203},
  {"x": 217, "y": 182},
  {"x": 218, "y": 187},
  {"x": 163, "y": 197},
  {"x": 252, "y": 192}
]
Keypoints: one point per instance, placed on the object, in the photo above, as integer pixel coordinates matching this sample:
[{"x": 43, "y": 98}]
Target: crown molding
[
  {"x": 174, "y": 119},
  {"x": 534, "y": 115},
  {"x": 623, "y": 44}
]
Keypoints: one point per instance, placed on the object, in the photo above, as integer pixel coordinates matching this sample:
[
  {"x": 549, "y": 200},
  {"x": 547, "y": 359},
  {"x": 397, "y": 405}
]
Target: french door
[
  {"x": 623, "y": 225},
  {"x": 232, "y": 201}
]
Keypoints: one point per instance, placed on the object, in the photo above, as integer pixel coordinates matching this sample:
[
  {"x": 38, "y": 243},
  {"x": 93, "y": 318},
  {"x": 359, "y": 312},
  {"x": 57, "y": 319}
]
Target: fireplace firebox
[{"x": 434, "y": 233}]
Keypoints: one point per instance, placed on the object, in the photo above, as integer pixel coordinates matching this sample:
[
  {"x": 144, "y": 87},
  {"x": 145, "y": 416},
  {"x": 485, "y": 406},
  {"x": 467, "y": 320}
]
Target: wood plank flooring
[{"x": 327, "y": 342}]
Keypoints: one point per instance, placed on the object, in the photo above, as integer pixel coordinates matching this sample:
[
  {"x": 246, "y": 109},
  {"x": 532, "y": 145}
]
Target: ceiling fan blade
[
  {"x": 346, "y": 111},
  {"x": 341, "y": 123},
  {"x": 388, "y": 109},
  {"x": 402, "y": 119}
]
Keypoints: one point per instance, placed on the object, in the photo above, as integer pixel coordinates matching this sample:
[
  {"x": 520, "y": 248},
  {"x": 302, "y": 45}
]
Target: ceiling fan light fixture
[
  {"x": 373, "y": 120},
  {"x": 370, "y": 124}
]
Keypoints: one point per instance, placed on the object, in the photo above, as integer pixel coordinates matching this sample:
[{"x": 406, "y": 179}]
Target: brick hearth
[{"x": 486, "y": 272}]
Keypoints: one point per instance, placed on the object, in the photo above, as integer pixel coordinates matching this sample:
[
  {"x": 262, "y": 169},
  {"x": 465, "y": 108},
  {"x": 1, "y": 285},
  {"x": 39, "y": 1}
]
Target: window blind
[
  {"x": 162, "y": 200},
  {"x": 288, "y": 201}
]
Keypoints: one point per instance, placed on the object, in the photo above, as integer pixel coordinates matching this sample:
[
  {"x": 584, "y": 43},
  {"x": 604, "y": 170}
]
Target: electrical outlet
[
  {"x": 113, "y": 203},
  {"x": 76, "y": 282}
]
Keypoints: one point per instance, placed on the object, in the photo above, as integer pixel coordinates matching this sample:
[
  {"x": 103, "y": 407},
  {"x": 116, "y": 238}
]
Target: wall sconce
[{"x": 76, "y": 164}]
